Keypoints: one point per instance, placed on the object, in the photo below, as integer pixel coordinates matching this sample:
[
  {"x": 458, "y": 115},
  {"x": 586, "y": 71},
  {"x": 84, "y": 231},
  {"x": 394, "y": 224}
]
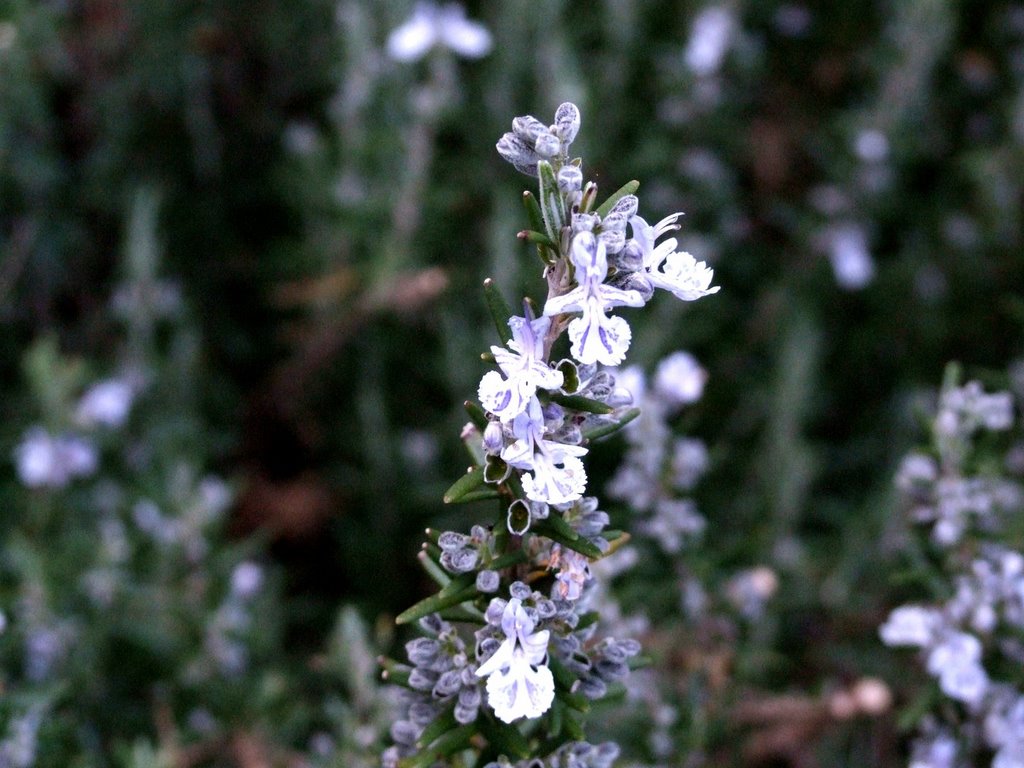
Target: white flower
[
  {"x": 106, "y": 403},
  {"x": 432, "y": 25},
  {"x": 851, "y": 261},
  {"x": 938, "y": 751},
  {"x": 524, "y": 368},
  {"x": 646, "y": 236},
  {"x": 682, "y": 275},
  {"x": 964, "y": 682},
  {"x": 956, "y": 661},
  {"x": 46, "y": 461},
  {"x": 596, "y": 337},
  {"x": 555, "y": 474},
  {"x": 519, "y": 684},
  {"x": 246, "y": 580},
  {"x": 910, "y": 625},
  {"x": 680, "y": 379},
  {"x": 709, "y": 40}
]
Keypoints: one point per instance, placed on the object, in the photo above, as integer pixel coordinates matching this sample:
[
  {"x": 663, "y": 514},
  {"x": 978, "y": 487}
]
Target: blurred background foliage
[{"x": 304, "y": 225}]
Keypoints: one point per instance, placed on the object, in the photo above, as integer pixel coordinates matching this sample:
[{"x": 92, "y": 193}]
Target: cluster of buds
[{"x": 525, "y": 582}]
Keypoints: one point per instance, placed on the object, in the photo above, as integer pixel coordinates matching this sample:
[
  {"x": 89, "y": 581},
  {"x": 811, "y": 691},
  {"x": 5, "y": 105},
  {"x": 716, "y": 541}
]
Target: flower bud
[
  {"x": 570, "y": 179},
  {"x": 619, "y": 397},
  {"x": 528, "y": 128},
  {"x": 567, "y": 122},
  {"x": 519, "y": 153},
  {"x": 625, "y": 207},
  {"x": 448, "y": 684},
  {"x": 548, "y": 145},
  {"x": 494, "y": 438},
  {"x": 451, "y": 541},
  {"x": 519, "y": 590},
  {"x": 488, "y": 581}
]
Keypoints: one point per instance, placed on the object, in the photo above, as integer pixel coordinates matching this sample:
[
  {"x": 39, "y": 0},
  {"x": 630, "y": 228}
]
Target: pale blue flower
[
  {"x": 524, "y": 368},
  {"x": 596, "y": 337},
  {"x": 675, "y": 271},
  {"x": 432, "y": 25},
  {"x": 519, "y": 684},
  {"x": 554, "y": 472}
]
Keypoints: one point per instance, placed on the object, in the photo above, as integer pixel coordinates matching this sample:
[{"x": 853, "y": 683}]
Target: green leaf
[
  {"x": 626, "y": 189},
  {"x": 507, "y": 560},
  {"x": 611, "y": 427},
  {"x": 458, "y": 584},
  {"x": 580, "y": 403},
  {"x": 573, "y": 728},
  {"x": 440, "y": 726},
  {"x": 557, "y": 533},
  {"x": 547, "y": 255},
  {"x": 395, "y": 673},
  {"x": 476, "y": 414},
  {"x": 564, "y": 679},
  {"x": 434, "y": 571},
  {"x": 435, "y": 603},
  {"x": 501, "y": 312},
  {"x": 538, "y": 238},
  {"x": 533, "y": 211},
  {"x": 447, "y": 745},
  {"x": 463, "y": 614},
  {"x": 505, "y": 738},
  {"x": 552, "y": 207},
  {"x": 484, "y": 494},
  {"x": 470, "y": 481}
]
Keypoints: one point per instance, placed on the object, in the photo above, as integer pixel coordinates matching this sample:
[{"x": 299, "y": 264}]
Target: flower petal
[
  {"x": 413, "y": 38},
  {"x": 520, "y": 691},
  {"x": 597, "y": 338}
]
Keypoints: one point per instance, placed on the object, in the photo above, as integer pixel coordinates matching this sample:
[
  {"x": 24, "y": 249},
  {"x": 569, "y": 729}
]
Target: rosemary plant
[{"x": 513, "y": 652}]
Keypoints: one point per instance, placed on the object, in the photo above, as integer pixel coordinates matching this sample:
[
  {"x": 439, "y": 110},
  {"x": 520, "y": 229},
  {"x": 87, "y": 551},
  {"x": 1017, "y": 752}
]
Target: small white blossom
[
  {"x": 683, "y": 276},
  {"x": 45, "y": 461},
  {"x": 956, "y": 661},
  {"x": 680, "y": 379},
  {"x": 851, "y": 260},
  {"x": 939, "y": 751},
  {"x": 519, "y": 684},
  {"x": 246, "y": 580},
  {"x": 432, "y": 25},
  {"x": 871, "y": 146},
  {"x": 709, "y": 40},
  {"x": 911, "y": 625},
  {"x": 524, "y": 369},
  {"x": 554, "y": 472},
  {"x": 596, "y": 337},
  {"x": 106, "y": 404}
]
